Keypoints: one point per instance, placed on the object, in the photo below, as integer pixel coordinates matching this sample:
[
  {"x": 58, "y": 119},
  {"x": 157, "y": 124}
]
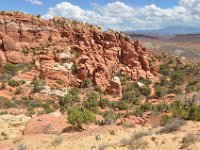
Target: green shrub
[
  {"x": 18, "y": 91},
  {"x": 122, "y": 105},
  {"x": 185, "y": 110},
  {"x": 74, "y": 69},
  {"x": 164, "y": 119},
  {"x": 47, "y": 108},
  {"x": 197, "y": 113},
  {"x": 164, "y": 69},
  {"x": 128, "y": 125},
  {"x": 175, "y": 108},
  {"x": 143, "y": 108},
  {"x": 91, "y": 102},
  {"x": 3, "y": 113},
  {"x": 104, "y": 102},
  {"x": 146, "y": 107},
  {"x": 21, "y": 82},
  {"x": 176, "y": 90},
  {"x": 74, "y": 91},
  {"x": 129, "y": 97},
  {"x": 13, "y": 83},
  {"x": 161, "y": 107},
  {"x": 164, "y": 81},
  {"x": 67, "y": 101},
  {"x": 25, "y": 51},
  {"x": 85, "y": 83},
  {"x": 191, "y": 83},
  {"x": 145, "y": 90},
  {"x": 189, "y": 89},
  {"x": 80, "y": 116},
  {"x": 3, "y": 86},
  {"x": 31, "y": 103},
  {"x": 109, "y": 118},
  {"x": 5, "y": 103},
  {"x": 145, "y": 81},
  {"x": 11, "y": 69},
  {"x": 177, "y": 78},
  {"x": 61, "y": 82},
  {"x": 129, "y": 87},
  {"x": 30, "y": 111},
  {"x": 137, "y": 112},
  {"x": 114, "y": 105},
  {"x": 25, "y": 98},
  {"x": 129, "y": 94},
  {"x": 191, "y": 86},
  {"x": 27, "y": 67},
  {"x": 159, "y": 91},
  {"x": 37, "y": 85}
]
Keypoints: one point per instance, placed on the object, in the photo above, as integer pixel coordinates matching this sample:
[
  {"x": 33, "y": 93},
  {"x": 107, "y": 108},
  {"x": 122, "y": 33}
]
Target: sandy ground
[{"x": 96, "y": 138}]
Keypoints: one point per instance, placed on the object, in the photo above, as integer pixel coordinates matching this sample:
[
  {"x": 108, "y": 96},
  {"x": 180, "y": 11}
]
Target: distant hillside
[
  {"x": 173, "y": 30},
  {"x": 180, "y": 44},
  {"x": 143, "y": 36}
]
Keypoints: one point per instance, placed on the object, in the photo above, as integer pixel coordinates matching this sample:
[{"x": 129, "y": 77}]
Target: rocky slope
[{"x": 57, "y": 45}]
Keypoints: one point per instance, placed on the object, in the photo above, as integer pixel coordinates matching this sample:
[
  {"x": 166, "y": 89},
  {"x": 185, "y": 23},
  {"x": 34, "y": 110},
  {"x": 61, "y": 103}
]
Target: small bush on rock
[
  {"x": 74, "y": 69},
  {"x": 85, "y": 83},
  {"x": 37, "y": 85}
]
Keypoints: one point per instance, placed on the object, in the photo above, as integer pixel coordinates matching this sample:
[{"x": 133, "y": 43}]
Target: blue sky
[
  {"x": 121, "y": 14},
  {"x": 23, "y": 5}
]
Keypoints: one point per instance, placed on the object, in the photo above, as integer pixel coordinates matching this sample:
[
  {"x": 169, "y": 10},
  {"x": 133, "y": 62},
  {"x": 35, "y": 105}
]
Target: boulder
[
  {"x": 114, "y": 87},
  {"x": 144, "y": 62},
  {"x": 2, "y": 57},
  {"x": 63, "y": 57},
  {"x": 45, "y": 124},
  {"x": 141, "y": 74},
  {"x": 138, "y": 46},
  {"x": 8, "y": 43},
  {"x": 14, "y": 57},
  {"x": 149, "y": 75},
  {"x": 108, "y": 36}
]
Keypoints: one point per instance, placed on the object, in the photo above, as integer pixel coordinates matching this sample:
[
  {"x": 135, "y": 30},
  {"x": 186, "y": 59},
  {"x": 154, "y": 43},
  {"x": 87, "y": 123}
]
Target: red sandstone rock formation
[{"x": 98, "y": 55}]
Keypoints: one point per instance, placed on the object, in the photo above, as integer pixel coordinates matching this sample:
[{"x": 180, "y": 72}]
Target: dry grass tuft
[
  {"x": 57, "y": 141},
  {"x": 190, "y": 138},
  {"x": 173, "y": 125}
]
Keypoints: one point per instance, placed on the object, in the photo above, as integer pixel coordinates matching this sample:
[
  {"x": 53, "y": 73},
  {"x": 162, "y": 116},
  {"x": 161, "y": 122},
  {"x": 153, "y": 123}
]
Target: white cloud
[
  {"x": 35, "y": 2},
  {"x": 67, "y": 10},
  {"x": 120, "y": 16},
  {"x": 117, "y": 9}
]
